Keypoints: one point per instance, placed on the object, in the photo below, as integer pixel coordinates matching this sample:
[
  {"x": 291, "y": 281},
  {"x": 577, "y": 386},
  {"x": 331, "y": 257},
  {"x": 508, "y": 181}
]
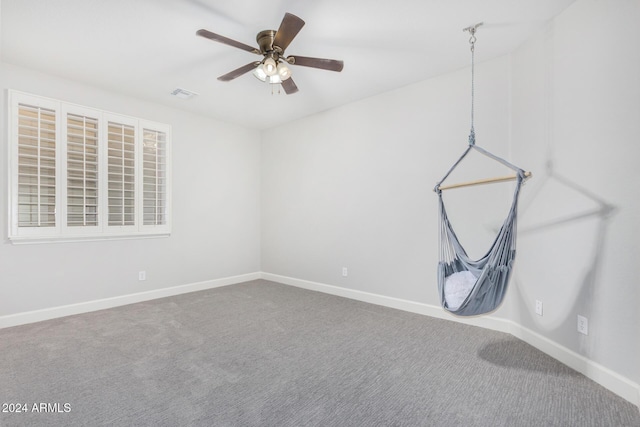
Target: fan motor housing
[{"x": 265, "y": 40}]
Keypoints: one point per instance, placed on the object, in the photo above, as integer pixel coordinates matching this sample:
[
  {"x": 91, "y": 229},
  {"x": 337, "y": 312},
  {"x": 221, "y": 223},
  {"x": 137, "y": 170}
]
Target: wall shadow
[
  {"x": 568, "y": 271},
  {"x": 515, "y": 353}
]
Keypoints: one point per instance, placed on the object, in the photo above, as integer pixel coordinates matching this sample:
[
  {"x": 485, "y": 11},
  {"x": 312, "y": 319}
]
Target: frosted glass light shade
[
  {"x": 283, "y": 71},
  {"x": 275, "y": 79},
  {"x": 259, "y": 73},
  {"x": 269, "y": 67}
]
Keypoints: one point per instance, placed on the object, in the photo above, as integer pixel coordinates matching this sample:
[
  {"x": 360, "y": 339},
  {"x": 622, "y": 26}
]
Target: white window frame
[{"x": 61, "y": 231}]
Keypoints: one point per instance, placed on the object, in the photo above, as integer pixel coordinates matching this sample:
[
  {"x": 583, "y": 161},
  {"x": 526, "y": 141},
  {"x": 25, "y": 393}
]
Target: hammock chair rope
[{"x": 472, "y": 42}]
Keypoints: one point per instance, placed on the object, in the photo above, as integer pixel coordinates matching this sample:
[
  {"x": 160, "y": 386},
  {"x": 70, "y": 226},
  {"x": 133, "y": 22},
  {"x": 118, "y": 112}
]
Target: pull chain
[
  {"x": 272, "y": 91},
  {"x": 472, "y": 42}
]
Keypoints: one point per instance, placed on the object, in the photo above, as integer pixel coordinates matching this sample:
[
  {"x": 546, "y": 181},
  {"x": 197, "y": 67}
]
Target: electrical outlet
[
  {"x": 583, "y": 325},
  {"x": 345, "y": 272},
  {"x": 142, "y": 275},
  {"x": 539, "y": 308}
]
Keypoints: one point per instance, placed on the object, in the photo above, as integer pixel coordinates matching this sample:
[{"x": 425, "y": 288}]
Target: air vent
[{"x": 183, "y": 93}]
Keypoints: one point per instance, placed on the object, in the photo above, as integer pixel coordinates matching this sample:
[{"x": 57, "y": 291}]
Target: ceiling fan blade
[
  {"x": 289, "y": 28},
  {"x": 289, "y": 86},
  {"x": 325, "y": 64},
  {"x": 239, "y": 71},
  {"x": 221, "y": 39}
]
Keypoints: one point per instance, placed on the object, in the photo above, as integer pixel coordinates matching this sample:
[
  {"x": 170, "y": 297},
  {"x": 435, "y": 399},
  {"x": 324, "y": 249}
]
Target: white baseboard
[
  {"x": 602, "y": 375},
  {"x": 487, "y": 322},
  {"x": 85, "y": 307}
]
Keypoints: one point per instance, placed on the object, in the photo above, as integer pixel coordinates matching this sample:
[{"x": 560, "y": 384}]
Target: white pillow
[{"x": 456, "y": 288}]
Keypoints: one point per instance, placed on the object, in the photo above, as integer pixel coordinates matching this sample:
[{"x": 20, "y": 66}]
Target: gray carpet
[{"x": 266, "y": 354}]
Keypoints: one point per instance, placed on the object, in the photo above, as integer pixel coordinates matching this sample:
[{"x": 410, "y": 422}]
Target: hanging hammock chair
[{"x": 470, "y": 287}]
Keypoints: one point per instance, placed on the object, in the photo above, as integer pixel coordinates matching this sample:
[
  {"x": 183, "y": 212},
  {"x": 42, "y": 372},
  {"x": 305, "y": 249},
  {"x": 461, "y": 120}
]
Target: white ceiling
[{"x": 147, "y": 48}]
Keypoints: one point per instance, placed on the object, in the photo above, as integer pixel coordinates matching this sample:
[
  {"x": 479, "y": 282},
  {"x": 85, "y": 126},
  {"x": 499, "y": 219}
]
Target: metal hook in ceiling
[{"x": 472, "y": 30}]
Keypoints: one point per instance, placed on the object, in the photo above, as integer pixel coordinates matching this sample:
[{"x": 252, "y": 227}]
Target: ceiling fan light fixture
[
  {"x": 273, "y": 66},
  {"x": 283, "y": 71},
  {"x": 269, "y": 66}
]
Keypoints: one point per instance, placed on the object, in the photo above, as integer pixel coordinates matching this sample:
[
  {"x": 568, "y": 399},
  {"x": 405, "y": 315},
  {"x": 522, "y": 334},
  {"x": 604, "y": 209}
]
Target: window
[
  {"x": 36, "y": 169},
  {"x": 122, "y": 174},
  {"x": 154, "y": 177},
  {"x": 80, "y": 173}
]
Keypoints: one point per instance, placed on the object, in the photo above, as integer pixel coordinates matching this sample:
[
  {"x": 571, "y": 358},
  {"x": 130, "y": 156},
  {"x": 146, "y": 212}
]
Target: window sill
[{"x": 32, "y": 240}]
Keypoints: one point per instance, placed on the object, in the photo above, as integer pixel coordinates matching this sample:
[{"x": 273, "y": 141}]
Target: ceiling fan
[{"x": 272, "y": 44}]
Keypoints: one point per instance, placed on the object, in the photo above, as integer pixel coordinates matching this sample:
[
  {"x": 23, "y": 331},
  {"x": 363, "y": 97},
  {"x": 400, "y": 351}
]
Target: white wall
[
  {"x": 351, "y": 187},
  {"x": 216, "y": 219},
  {"x": 576, "y": 103}
]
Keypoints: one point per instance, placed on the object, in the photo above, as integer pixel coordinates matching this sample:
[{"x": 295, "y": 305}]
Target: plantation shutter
[
  {"x": 121, "y": 174},
  {"x": 82, "y": 171},
  {"x": 36, "y": 166},
  {"x": 154, "y": 176},
  {"x": 78, "y": 173}
]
